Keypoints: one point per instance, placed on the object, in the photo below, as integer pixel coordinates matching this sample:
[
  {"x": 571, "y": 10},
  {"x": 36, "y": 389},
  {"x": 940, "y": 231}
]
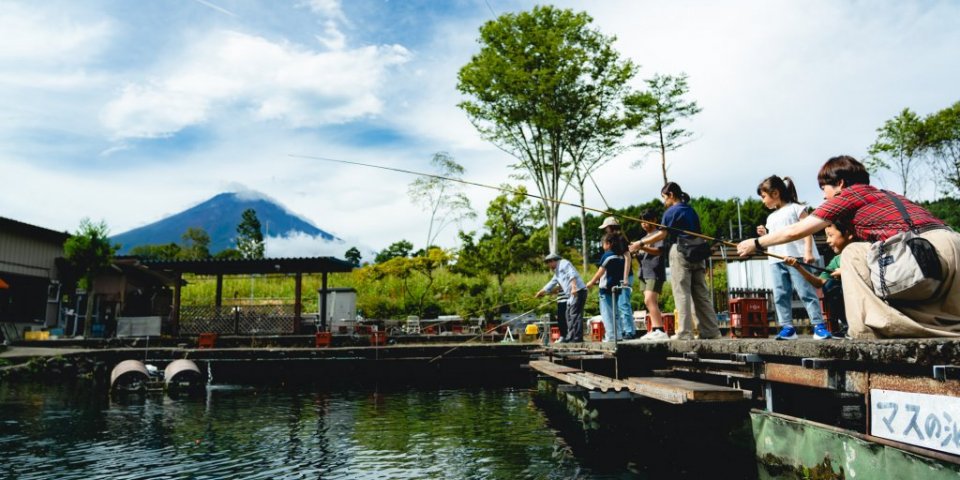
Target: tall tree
[
  {"x": 595, "y": 134},
  {"x": 899, "y": 147},
  {"x": 196, "y": 244},
  {"x": 443, "y": 198},
  {"x": 249, "y": 235},
  {"x": 526, "y": 85},
  {"x": 90, "y": 253},
  {"x": 943, "y": 140},
  {"x": 654, "y": 113},
  {"x": 353, "y": 256}
]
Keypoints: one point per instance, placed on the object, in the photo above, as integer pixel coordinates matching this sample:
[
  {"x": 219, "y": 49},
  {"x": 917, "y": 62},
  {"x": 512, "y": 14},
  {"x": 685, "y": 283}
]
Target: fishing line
[
  {"x": 545, "y": 199},
  {"x": 549, "y": 301}
]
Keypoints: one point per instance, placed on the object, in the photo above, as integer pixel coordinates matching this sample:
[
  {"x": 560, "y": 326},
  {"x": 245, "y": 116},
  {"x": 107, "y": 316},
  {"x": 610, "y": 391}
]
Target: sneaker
[
  {"x": 655, "y": 336},
  {"x": 559, "y": 340},
  {"x": 820, "y": 332},
  {"x": 684, "y": 336},
  {"x": 788, "y": 333}
]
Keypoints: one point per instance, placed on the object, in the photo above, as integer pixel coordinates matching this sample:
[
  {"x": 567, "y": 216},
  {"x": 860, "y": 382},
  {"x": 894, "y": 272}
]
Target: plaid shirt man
[{"x": 873, "y": 214}]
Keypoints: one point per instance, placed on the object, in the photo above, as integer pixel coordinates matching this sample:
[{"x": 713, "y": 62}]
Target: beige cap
[{"x": 609, "y": 221}]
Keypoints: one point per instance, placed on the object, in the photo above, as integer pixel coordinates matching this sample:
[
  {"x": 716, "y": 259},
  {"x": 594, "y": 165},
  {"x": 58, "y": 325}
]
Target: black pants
[
  {"x": 575, "y": 316},
  {"x": 562, "y": 317}
]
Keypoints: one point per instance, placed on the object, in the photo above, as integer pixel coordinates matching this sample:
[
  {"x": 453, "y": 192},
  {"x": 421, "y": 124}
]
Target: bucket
[{"x": 532, "y": 329}]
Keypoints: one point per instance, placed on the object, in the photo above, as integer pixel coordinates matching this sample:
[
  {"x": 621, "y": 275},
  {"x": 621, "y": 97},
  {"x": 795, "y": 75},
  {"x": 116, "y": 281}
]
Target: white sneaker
[
  {"x": 677, "y": 336},
  {"x": 655, "y": 336}
]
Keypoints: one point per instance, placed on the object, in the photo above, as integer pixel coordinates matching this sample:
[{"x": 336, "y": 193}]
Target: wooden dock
[{"x": 902, "y": 394}]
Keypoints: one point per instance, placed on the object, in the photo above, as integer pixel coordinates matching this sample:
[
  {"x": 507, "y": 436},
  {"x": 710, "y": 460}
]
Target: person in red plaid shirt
[{"x": 851, "y": 199}]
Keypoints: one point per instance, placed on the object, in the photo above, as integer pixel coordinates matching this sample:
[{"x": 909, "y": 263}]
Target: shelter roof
[
  {"x": 252, "y": 266},
  {"x": 32, "y": 231}
]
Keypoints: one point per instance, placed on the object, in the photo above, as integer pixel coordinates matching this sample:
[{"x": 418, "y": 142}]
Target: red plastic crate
[
  {"x": 669, "y": 323},
  {"x": 323, "y": 339},
  {"x": 750, "y": 316}
]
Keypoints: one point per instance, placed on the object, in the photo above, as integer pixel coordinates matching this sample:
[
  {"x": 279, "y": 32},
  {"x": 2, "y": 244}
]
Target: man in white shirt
[{"x": 566, "y": 276}]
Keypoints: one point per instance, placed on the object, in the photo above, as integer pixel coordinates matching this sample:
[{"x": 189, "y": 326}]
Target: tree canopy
[{"x": 537, "y": 75}]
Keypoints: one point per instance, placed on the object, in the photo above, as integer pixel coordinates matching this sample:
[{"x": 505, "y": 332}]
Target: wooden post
[
  {"x": 323, "y": 302},
  {"x": 219, "y": 300},
  {"x": 175, "y": 312},
  {"x": 298, "y": 305}
]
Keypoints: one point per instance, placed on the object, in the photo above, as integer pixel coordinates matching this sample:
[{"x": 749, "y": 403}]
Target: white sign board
[{"x": 928, "y": 421}]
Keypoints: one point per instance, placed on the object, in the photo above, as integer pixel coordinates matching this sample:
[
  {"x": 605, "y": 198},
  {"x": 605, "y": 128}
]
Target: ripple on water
[{"x": 280, "y": 435}]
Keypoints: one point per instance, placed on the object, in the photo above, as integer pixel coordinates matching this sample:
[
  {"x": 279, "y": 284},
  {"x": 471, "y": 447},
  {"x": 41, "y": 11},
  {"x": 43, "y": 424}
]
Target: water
[
  {"x": 77, "y": 432},
  {"x": 64, "y": 432}
]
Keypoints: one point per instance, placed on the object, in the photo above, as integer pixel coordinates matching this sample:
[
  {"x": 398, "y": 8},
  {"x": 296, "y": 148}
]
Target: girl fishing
[{"x": 780, "y": 195}]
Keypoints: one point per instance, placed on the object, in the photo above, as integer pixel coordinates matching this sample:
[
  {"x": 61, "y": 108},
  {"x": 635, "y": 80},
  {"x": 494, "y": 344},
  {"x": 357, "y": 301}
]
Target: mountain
[{"x": 219, "y": 216}]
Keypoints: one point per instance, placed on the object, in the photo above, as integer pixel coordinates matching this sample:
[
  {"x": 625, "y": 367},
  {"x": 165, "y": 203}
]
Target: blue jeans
[
  {"x": 606, "y": 314},
  {"x": 625, "y": 310},
  {"x": 786, "y": 279}
]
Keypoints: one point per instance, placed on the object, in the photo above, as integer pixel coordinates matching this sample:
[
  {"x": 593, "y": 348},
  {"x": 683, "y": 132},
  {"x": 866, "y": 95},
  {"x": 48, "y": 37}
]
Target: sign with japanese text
[{"x": 928, "y": 421}]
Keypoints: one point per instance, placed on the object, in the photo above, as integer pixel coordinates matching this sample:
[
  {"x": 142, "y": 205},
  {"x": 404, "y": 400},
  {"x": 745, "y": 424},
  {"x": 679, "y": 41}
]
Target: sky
[{"x": 128, "y": 112}]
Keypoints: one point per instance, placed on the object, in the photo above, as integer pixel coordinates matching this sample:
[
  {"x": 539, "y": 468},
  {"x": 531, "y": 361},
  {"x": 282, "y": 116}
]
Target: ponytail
[
  {"x": 783, "y": 186},
  {"x": 674, "y": 190}
]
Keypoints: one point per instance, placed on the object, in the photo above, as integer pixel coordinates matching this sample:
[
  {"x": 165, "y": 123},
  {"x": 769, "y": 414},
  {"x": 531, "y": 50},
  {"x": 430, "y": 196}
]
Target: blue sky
[{"x": 131, "y": 111}]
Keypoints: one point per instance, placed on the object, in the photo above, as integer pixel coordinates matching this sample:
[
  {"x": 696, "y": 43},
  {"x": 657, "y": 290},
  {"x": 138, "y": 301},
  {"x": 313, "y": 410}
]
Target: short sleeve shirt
[
  {"x": 681, "y": 216},
  {"x": 652, "y": 266},
  {"x": 834, "y": 264},
  {"x": 873, "y": 214},
  {"x": 613, "y": 269}
]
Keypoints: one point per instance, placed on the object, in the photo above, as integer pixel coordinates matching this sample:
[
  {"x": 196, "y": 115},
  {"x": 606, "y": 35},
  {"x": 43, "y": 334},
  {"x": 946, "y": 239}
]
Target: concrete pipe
[
  {"x": 183, "y": 375},
  {"x": 128, "y": 376}
]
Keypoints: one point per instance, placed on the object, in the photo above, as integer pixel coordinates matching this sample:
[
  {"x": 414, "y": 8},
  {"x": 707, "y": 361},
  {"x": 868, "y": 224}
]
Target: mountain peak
[{"x": 219, "y": 217}]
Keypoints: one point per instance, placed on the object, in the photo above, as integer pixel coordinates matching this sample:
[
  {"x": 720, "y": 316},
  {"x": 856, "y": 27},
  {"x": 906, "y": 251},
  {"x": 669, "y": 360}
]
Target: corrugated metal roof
[{"x": 248, "y": 266}]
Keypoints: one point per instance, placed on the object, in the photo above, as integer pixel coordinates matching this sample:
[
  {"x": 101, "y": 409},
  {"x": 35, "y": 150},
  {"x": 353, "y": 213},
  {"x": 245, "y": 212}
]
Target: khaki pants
[
  {"x": 692, "y": 297},
  {"x": 871, "y": 317}
]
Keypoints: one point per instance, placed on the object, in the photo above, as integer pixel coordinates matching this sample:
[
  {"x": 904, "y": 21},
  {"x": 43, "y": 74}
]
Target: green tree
[
  {"x": 443, "y": 198},
  {"x": 653, "y": 114},
  {"x": 156, "y": 252},
  {"x": 90, "y": 253},
  {"x": 943, "y": 140},
  {"x": 404, "y": 268},
  {"x": 505, "y": 248},
  {"x": 899, "y": 147},
  {"x": 401, "y": 248},
  {"x": 595, "y": 134},
  {"x": 353, "y": 256},
  {"x": 249, "y": 235},
  {"x": 228, "y": 254},
  {"x": 196, "y": 244},
  {"x": 527, "y": 85}
]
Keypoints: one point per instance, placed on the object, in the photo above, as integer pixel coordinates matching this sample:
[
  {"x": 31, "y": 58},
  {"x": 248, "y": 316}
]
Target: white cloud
[
  {"x": 230, "y": 73},
  {"x": 49, "y": 37}
]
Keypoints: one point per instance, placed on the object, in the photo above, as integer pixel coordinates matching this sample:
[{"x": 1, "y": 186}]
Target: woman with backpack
[{"x": 687, "y": 273}]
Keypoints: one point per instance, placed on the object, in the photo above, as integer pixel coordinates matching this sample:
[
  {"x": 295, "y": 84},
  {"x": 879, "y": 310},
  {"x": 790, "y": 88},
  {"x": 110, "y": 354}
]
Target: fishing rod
[
  {"x": 544, "y": 199},
  {"x": 438, "y": 357}
]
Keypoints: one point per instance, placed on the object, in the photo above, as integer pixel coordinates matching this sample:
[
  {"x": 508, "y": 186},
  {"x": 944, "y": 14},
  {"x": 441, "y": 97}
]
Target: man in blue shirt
[{"x": 566, "y": 276}]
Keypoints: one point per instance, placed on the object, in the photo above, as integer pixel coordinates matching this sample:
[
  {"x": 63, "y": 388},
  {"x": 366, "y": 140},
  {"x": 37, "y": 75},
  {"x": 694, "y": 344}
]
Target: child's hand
[
  {"x": 808, "y": 258},
  {"x": 835, "y": 273},
  {"x": 790, "y": 261},
  {"x": 761, "y": 230}
]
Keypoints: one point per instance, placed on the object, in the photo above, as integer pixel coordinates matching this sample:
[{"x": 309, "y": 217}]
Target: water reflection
[
  {"x": 67, "y": 432},
  {"x": 64, "y": 432}
]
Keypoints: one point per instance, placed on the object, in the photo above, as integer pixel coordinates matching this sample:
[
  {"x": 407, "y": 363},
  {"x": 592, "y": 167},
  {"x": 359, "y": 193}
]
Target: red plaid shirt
[{"x": 873, "y": 214}]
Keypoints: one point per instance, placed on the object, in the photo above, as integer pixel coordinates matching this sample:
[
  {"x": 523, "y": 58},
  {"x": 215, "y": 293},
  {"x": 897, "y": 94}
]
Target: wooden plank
[
  {"x": 554, "y": 370},
  {"x": 677, "y": 390}
]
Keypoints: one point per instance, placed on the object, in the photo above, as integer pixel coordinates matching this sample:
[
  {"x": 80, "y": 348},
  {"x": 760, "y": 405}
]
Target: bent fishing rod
[{"x": 545, "y": 199}]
